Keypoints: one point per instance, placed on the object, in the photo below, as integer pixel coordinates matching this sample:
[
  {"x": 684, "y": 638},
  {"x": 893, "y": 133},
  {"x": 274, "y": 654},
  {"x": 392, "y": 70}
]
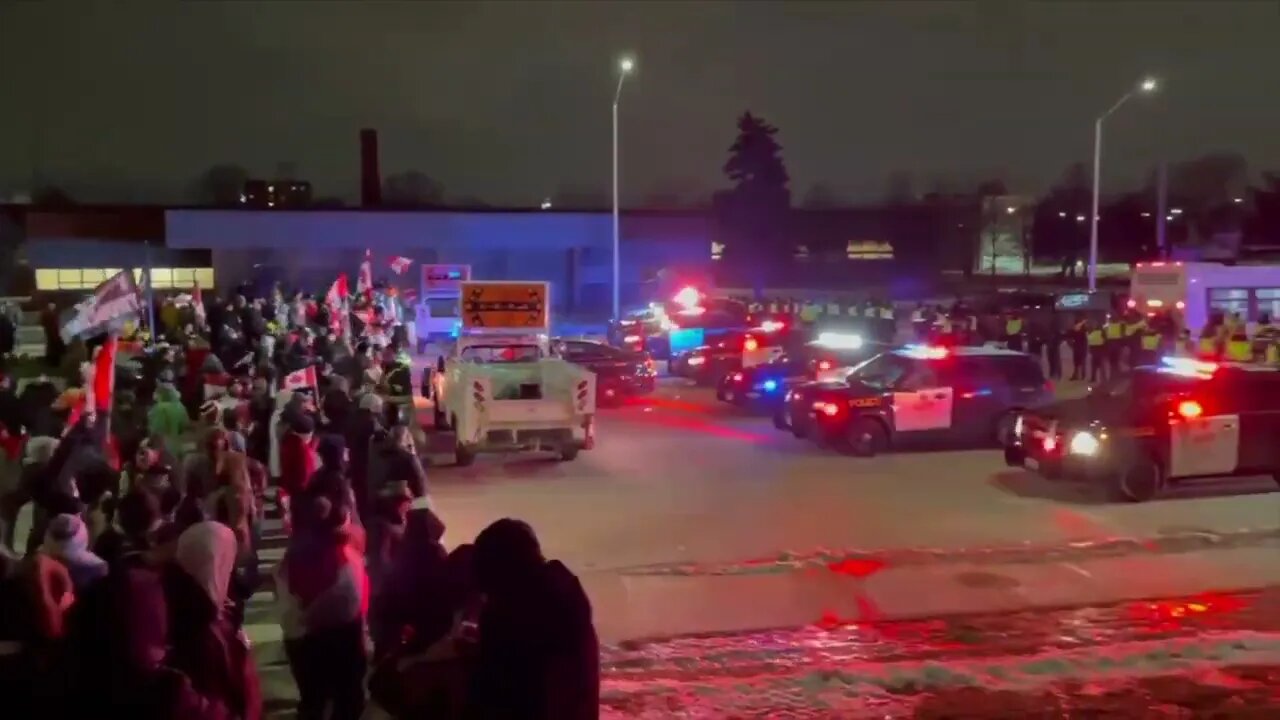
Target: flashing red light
[
  {"x": 1180, "y": 305},
  {"x": 824, "y": 364},
  {"x": 1132, "y": 303},
  {"x": 1050, "y": 443},
  {"x": 827, "y": 408},
  {"x": 772, "y": 326},
  {"x": 1190, "y": 409},
  {"x": 737, "y": 377},
  {"x": 631, "y": 339},
  {"x": 750, "y": 344},
  {"x": 688, "y": 297}
]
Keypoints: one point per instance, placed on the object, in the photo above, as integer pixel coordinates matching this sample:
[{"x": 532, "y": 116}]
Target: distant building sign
[{"x": 869, "y": 250}]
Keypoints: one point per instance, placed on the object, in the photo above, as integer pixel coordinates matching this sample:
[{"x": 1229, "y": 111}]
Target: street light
[
  {"x": 1147, "y": 86},
  {"x": 626, "y": 65}
]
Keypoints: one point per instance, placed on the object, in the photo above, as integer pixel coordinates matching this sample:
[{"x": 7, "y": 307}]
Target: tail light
[
  {"x": 1132, "y": 303},
  {"x": 829, "y": 409},
  {"x": 824, "y": 364},
  {"x": 1190, "y": 409},
  {"x": 736, "y": 377},
  {"x": 631, "y": 339},
  {"x": 750, "y": 344},
  {"x": 1050, "y": 443}
]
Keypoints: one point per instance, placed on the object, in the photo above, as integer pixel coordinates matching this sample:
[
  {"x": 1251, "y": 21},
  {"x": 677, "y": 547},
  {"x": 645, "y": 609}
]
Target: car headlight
[{"x": 1084, "y": 443}]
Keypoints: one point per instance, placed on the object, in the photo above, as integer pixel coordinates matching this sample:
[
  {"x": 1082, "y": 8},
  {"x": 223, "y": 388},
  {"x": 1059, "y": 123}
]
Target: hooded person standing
[
  {"x": 323, "y": 595},
  {"x": 168, "y": 418},
  {"x": 538, "y": 656},
  {"x": 206, "y": 646}
]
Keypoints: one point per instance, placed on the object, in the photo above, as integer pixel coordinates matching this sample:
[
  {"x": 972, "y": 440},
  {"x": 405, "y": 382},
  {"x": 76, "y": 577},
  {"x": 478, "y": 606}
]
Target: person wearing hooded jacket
[
  {"x": 538, "y": 656},
  {"x": 67, "y": 541},
  {"x": 168, "y": 418},
  {"x": 323, "y": 596},
  {"x": 205, "y": 644}
]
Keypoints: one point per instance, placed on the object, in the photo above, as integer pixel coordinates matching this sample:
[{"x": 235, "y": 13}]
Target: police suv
[
  {"x": 761, "y": 387},
  {"x": 1158, "y": 426},
  {"x": 962, "y": 395}
]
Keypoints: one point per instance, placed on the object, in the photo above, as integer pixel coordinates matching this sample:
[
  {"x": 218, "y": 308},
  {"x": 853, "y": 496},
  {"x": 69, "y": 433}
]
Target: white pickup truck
[{"x": 506, "y": 393}]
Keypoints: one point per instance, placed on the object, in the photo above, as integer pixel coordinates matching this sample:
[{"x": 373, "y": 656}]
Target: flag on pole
[
  {"x": 336, "y": 300},
  {"x": 197, "y": 305},
  {"x": 304, "y": 379},
  {"x": 400, "y": 264},
  {"x": 364, "y": 281},
  {"x": 114, "y": 300}
]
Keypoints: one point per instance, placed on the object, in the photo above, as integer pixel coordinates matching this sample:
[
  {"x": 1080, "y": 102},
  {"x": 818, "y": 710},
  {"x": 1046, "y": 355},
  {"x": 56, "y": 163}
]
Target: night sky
[{"x": 509, "y": 102}]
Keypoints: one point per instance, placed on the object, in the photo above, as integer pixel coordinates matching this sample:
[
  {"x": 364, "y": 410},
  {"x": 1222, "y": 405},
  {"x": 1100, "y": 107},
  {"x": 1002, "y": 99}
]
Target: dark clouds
[{"x": 509, "y": 101}]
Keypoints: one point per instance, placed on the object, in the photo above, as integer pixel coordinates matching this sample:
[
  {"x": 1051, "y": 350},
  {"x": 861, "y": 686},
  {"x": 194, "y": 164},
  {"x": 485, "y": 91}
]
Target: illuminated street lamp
[
  {"x": 626, "y": 65},
  {"x": 1147, "y": 86}
]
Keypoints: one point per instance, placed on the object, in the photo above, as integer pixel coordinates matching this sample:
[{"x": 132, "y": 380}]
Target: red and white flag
[
  {"x": 216, "y": 385},
  {"x": 304, "y": 379},
  {"x": 197, "y": 305},
  {"x": 337, "y": 293},
  {"x": 400, "y": 264},
  {"x": 364, "y": 281}
]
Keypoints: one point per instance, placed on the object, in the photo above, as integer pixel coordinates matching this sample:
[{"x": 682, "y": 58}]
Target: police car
[
  {"x": 966, "y": 395},
  {"x": 732, "y": 352},
  {"x": 830, "y": 357},
  {"x": 1158, "y": 426}
]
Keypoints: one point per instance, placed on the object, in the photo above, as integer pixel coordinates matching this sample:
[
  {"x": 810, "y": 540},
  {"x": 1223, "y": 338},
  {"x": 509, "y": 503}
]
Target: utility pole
[{"x": 1162, "y": 210}]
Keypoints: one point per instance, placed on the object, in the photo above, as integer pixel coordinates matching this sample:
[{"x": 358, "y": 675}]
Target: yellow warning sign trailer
[{"x": 495, "y": 305}]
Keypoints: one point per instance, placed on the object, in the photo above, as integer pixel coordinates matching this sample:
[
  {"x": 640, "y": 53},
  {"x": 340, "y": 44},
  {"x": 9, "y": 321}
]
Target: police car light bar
[
  {"x": 840, "y": 341},
  {"x": 772, "y": 326},
  {"x": 924, "y": 352},
  {"x": 1189, "y": 366},
  {"x": 687, "y": 297}
]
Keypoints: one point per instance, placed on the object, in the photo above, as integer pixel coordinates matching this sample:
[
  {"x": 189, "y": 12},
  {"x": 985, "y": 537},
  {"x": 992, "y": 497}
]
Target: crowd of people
[{"x": 128, "y": 594}]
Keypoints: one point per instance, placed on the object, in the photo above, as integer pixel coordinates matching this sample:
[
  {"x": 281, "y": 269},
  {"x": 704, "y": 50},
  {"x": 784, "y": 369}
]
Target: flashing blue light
[{"x": 770, "y": 385}]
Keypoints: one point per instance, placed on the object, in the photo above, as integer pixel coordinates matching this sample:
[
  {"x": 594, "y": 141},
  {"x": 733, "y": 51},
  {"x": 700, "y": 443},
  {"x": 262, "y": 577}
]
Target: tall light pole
[
  {"x": 1147, "y": 86},
  {"x": 625, "y": 66}
]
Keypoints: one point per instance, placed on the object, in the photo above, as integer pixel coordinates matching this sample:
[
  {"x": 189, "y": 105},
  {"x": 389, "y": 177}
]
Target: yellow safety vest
[
  {"x": 1134, "y": 328},
  {"x": 1239, "y": 350},
  {"x": 1208, "y": 345},
  {"x": 1273, "y": 354},
  {"x": 1013, "y": 326},
  {"x": 1150, "y": 341},
  {"x": 1094, "y": 338},
  {"x": 1115, "y": 331}
]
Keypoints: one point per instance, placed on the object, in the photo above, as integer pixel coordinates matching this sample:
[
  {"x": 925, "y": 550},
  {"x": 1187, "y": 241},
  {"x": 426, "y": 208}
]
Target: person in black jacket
[{"x": 538, "y": 657}]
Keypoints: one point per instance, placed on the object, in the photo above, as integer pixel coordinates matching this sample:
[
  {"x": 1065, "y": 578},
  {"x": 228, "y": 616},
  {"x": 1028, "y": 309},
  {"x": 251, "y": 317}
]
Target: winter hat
[
  {"x": 303, "y": 425},
  {"x": 67, "y": 539}
]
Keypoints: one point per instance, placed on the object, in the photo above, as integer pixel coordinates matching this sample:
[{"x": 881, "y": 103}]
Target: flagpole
[{"x": 151, "y": 297}]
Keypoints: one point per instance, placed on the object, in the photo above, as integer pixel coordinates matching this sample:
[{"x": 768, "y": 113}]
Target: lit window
[
  {"x": 183, "y": 278},
  {"x": 69, "y": 279},
  {"x": 93, "y": 277},
  {"x": 204, "y": 276},
  {"x": 46, "y": 279}
]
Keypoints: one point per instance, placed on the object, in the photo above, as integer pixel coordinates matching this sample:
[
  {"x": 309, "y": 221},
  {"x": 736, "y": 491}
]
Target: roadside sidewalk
[{"x": 641, "y": 606}]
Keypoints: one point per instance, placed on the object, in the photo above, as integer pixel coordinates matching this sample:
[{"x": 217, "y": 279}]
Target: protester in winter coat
[
  {"x": 133, "y": 535},
  {"x": 298, "y": 459},
  {"x": 400, "y": 460},
  {"x": 205, "y": 643},
  {"x": 419, "y": 593},
  {"x": 538, "y": 653},
  {"x": 67, "y": 541},
  {"x": 323, "y": 595},
  {"x": 365, "y": 424},
  {"x": 168, "y": 417}
]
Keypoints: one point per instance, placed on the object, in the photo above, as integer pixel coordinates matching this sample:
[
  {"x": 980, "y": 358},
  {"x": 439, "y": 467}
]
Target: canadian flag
[
  {"x": 399, "y": 264},
  {"x": 197, "y": 305},
  {"x": 364, "y": 281},
  {"x": 304, "y": 379},
  {"x": 216, "y": 385},
  {"x": 337, "y": 293}
]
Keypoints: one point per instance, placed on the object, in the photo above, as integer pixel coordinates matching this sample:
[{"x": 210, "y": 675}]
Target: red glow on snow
[{"x": 860, "y": 568}]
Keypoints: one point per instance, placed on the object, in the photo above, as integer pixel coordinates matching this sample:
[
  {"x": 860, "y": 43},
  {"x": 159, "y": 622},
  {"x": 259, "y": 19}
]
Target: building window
[
  {"x": 717, "y": 250},
  {"x": 868, "y": 250},
  {"x": 49, "y": 279}
]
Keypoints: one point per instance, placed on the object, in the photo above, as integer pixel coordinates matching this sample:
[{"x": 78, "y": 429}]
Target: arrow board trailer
[{"x": 502, "y": 390}]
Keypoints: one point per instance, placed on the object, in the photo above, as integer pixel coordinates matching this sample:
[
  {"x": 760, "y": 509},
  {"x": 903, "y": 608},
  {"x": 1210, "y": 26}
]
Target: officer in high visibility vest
[
  {"x": 1134, "y": 329},
  {"x": 809, "y": 313},
  {"x": 1095, "y": 338},
  {"x": 1149, "y": 347},
  {"x": 1013, "y": 332},
  {"x": 1113, "y": 331},
  {"x": 1272, "y": 354},
  {"x": 1239, "y": 348},
  {"x": 1207, "y": 347}
]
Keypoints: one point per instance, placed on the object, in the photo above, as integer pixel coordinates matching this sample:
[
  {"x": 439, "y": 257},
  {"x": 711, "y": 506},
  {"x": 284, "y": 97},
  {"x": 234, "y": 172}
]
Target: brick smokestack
[{"x": 370, "y": 175}]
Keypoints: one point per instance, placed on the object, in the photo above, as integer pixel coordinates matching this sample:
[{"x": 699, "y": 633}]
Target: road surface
[{"x": 690, "y": 517}]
